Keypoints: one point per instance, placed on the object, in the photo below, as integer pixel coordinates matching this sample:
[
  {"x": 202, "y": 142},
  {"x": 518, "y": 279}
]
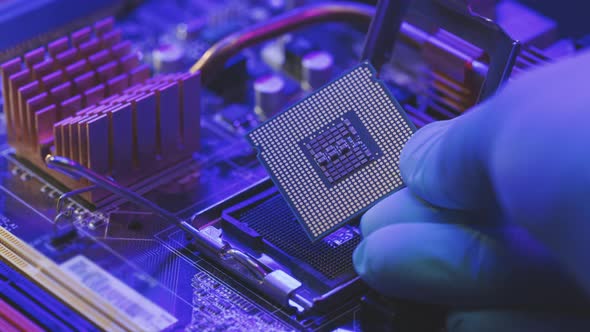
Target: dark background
[{"x": 573, "y": 16}]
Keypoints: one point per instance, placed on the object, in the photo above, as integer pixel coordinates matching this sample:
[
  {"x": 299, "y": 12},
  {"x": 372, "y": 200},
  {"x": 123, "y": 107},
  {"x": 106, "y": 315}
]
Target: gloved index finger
[
  {"x": 405, "y": 207},
  {"x": 443, "y": 162}
]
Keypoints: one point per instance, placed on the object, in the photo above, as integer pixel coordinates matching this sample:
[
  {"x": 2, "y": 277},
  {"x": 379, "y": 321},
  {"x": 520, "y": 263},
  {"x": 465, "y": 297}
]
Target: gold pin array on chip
[{"x": 324, "y": 199}]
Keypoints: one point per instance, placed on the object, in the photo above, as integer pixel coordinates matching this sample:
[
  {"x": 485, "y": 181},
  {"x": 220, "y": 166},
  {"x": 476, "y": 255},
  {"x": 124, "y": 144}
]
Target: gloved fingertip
[
  {"x": 358, "y": 259},
  {"x": 405, "y": 207},
  {"x": 442, "y": 163},
  {"x": 381, "y": 214},
  {"x": 416, "y": 150}
]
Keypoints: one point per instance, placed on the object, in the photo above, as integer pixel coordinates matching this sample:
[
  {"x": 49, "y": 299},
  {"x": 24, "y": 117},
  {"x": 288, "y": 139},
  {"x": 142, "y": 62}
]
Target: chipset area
[{"x": 201, "y": 165}]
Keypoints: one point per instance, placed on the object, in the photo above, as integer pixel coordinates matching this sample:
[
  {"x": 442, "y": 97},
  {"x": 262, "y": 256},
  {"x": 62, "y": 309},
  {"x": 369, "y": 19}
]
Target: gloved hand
[{"x": 495, "y": 220}]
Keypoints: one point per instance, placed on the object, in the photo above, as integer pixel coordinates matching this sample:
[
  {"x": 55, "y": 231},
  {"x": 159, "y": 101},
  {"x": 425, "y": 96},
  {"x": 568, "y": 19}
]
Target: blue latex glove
[{"x": 495, "y": 222}]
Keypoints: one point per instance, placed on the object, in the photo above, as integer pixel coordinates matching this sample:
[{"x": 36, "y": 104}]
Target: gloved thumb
[{"x": 443, "y": 163}]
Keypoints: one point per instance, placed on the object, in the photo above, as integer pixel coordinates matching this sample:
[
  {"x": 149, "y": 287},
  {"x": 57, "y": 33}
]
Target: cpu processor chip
[{"x": 336, "y": 152}]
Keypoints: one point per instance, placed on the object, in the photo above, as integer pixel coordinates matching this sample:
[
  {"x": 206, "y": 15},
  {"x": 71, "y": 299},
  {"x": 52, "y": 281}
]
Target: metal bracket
[
  {"x": 66, "y": 214},
  {"x": 279, "y": 285},
  {"x": 456, "y": 17}
]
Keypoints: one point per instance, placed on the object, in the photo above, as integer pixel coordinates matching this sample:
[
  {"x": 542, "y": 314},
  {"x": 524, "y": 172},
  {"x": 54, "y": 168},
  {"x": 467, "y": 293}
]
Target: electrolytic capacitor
[
  {"x": 317, "y": 68},
  {"x": 191, "y": 29},
  {"x": 270, "y": 96},
  {"x": 168, "y": 58}
]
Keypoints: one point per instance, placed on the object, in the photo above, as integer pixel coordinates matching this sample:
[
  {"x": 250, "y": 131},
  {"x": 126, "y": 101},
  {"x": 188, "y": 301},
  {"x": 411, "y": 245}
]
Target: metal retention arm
[
  {"x": 383, "y": 31},
  {"x": 77, "y": 171},
  {"x": 456, "y": 17},
  {"x": 275, "y": 283}
]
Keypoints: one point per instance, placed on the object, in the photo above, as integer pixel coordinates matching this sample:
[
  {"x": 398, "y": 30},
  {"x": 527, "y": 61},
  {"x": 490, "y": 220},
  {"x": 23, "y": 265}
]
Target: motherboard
[{"x": 131, "y": 198}]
